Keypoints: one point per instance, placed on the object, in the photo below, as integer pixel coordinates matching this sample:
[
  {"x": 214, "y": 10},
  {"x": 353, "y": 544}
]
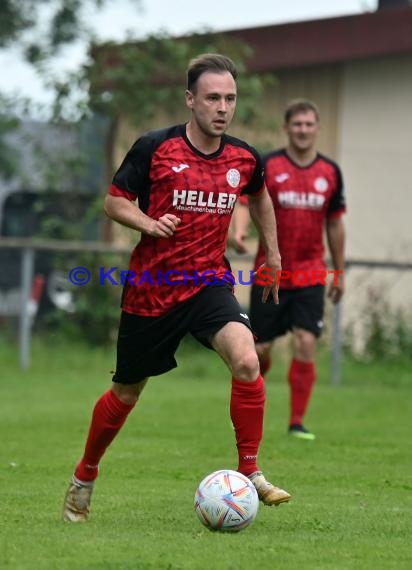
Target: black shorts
[
  {"x": 146, "y": 346},
  {"x": 298, "y": 308}
]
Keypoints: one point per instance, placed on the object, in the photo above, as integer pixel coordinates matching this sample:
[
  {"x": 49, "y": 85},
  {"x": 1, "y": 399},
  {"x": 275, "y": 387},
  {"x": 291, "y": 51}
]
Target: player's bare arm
[
  {"x": 335, "y": 232},
  {"x": 239, "y": 229},
  {"x": 263, "y": 215},
  {"x": 128, "y": 214}
]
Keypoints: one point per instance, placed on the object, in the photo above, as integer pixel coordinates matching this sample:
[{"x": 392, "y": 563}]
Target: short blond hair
[{"x": 300, "y": 106}]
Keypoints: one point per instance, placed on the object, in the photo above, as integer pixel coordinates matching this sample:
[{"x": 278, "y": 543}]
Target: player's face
[
  {"x": 213, "y": 102},
  {"x": 302, "y": 130}
]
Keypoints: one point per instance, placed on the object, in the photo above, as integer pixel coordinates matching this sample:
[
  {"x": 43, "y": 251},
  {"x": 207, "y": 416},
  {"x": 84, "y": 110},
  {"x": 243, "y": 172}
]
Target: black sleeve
[
  {"x": 337, "y": 202},
  {"x": 255, "y": 184},
  {"x": 133, "y": 175}
]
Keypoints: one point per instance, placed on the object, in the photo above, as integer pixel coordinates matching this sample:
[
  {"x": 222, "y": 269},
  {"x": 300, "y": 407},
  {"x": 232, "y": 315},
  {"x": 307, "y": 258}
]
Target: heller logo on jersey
[
  {"x": 201, "y": 201},
  {"x": 305, "y": 200}
]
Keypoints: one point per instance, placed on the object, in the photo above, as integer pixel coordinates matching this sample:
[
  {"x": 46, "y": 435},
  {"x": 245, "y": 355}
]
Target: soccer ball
[{"x": 226, "y": 500}]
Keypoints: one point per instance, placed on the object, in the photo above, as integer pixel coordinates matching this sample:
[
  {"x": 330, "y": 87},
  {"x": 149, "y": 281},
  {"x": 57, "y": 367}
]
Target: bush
[
  {"x": 96, "y": 307},
  {"x": 385, "y": 331}
]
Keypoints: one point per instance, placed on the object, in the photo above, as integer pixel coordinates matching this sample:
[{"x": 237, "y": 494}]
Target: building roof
[{"x": 330, "y": 40}]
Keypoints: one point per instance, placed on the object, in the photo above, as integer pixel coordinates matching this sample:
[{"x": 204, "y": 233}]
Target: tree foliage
[
  {"x": 8, "y": 161},
  {"x": 139, "y": 79},
  {"x": 51, "y": 24},
  {"x": 135, "y": 78},
  {"x": 39, "y": 29}
]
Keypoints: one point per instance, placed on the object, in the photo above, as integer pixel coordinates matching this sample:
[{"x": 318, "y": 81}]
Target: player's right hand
[
  {"x": 237, "y": 241},
  {"x": 165, "y": 226}
]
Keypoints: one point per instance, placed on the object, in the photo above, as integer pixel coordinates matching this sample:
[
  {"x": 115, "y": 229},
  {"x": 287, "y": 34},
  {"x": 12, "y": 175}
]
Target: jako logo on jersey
[
  {"x": 309, "y": 201},
  {"x": 233, "y": 177},
  {"x": 321, "y": 184},
  {"x": 180, "y": 167},
  {"x": 201, "y": 199},
  {"x": 282, "y": 177}
]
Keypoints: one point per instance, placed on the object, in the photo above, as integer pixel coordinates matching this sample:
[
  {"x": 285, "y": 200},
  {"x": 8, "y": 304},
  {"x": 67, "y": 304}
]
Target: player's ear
[{"x": 189, "y": 99}]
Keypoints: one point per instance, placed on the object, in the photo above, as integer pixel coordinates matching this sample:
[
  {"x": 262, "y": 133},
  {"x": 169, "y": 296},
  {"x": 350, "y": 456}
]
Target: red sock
[
  {"x": 301, "y": 378},
  {"x": 109, "y": 415},
  {"x": 246, "y": 410},
  {"x": 265, "y": 365}
]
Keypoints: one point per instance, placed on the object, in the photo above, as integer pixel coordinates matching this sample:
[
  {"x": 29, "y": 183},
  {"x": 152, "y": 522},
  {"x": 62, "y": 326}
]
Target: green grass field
[{"x": 352, "y": 488}]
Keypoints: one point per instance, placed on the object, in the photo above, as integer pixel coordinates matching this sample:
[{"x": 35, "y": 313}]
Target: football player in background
[{"x": 306, "y": 189}]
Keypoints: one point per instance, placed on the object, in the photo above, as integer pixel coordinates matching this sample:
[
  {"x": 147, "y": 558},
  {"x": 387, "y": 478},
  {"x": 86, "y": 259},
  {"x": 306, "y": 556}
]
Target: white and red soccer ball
[{"x": 226, "y": 500}]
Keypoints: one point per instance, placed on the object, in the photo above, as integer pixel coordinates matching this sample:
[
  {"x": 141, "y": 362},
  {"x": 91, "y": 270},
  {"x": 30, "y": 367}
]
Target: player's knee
[
  {"x": 305, "y": 345},
  {"x": 263, "y": 350},
  {"x": 129, "y": 399},
  {"x": 128, "y": 393},
  {"x": 247, "y": 366}
]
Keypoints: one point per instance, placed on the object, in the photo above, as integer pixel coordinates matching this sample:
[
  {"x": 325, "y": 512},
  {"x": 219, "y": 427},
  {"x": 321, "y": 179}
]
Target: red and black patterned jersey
[
  {"x": 167, "y": 174},
  {"x": 303, "y": 197}
]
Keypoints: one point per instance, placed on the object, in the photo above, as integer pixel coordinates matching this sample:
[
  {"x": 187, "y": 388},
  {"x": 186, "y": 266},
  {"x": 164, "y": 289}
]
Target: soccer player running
[
  {"x": 178, "y": 187},
  {"x": 306, "y": 189}
]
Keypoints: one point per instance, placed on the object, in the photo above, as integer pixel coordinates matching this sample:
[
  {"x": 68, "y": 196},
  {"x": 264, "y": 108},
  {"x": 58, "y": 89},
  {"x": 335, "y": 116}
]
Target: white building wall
[
  {"x": 375, "y": 152},
  {"x": 374, "y": 149}
]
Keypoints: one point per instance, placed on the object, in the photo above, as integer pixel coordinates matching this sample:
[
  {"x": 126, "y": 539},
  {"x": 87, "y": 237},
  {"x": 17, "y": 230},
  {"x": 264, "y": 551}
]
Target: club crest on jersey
[
  {"x": 321, "y": 184},
  {"x": 233, "y": 177}
]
